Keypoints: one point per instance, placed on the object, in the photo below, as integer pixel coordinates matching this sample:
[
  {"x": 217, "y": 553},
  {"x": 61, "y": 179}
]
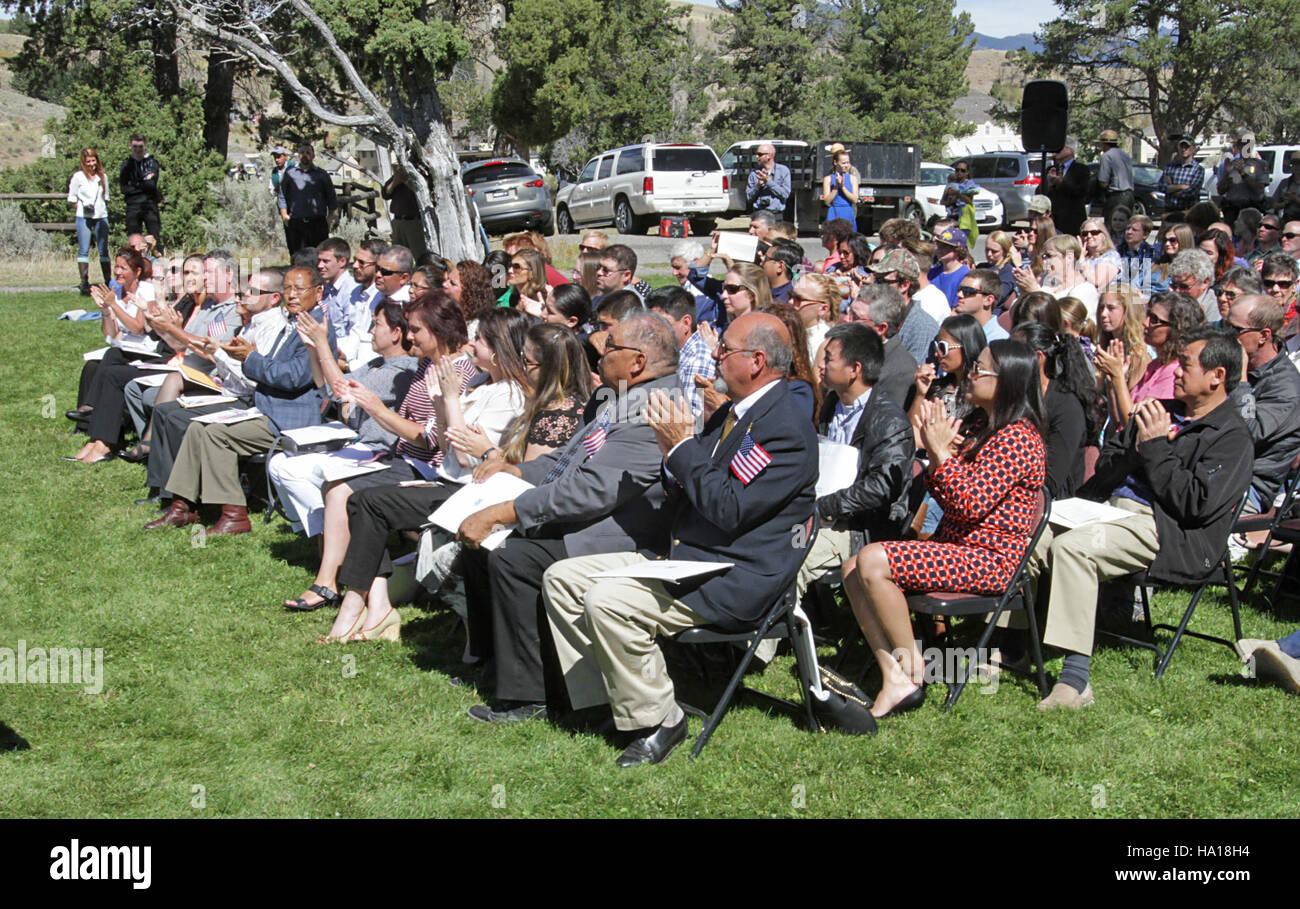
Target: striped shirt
[{"x": 424, "y": 454}]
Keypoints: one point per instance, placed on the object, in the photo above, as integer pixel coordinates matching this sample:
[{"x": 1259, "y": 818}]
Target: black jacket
[
  {"x": 876, "y": 504},
  {"x": 1070, "y": 197},
  {"x": 1270, "y": 407},
  {"x": 1198, "y": 480},
  {"x": 898, "y": 375},
  {"x": 138, "y": 180}
]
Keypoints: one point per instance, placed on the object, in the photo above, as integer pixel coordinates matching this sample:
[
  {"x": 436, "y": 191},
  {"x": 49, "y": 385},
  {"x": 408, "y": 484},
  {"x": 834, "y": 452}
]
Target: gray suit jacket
[{"x": 609, "y": 501}]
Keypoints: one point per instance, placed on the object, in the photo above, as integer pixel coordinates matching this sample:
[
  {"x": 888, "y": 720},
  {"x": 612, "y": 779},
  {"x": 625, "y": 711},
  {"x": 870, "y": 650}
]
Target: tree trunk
[
  {"x": 450, "y": 222},
  {"x": 166, "y": 68},
  {"x": 218, "y": 99}
]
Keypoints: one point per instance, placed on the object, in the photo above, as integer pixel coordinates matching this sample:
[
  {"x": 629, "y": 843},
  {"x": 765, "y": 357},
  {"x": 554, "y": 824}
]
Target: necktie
[{"x": 728, "y": 425}]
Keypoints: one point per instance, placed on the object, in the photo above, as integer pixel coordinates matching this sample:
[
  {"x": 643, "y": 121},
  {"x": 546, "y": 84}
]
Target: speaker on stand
[{"x": 1044, "y": 112}]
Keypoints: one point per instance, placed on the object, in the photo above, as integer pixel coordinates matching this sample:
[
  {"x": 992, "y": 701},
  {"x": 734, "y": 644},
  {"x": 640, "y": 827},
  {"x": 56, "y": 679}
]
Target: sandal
[
  {"x": 137, "y": 455},
  {"x": 328, "y": 598}
]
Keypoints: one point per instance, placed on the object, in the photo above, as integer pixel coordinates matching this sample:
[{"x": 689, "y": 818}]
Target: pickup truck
[{"x": 889, "y": 173}]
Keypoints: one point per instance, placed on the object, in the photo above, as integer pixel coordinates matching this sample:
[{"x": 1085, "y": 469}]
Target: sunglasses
[
  {"x": 1180, "y": 287},
  {"x": 1269, "y": 227},
  {"x": 1090, "y": 233},
  {"x": 388, "y": 272},
  {"x": 1276, "y": 282},
  {"x": 734, "y": 288},
  {"x": 965, "y": 291},
  {"x": 940, "y": 348},
  {"x": 978, "y": 371},
  {"x": 519, "y": 266},
  {"x": 1156, "y": 321},
  {"x": 1290, "y": 236},
  {"x": 1240, "y": 330}
]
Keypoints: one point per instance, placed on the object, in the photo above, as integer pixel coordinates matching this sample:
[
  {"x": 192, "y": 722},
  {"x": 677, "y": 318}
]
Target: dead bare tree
[{"x": 410, "y": 122}]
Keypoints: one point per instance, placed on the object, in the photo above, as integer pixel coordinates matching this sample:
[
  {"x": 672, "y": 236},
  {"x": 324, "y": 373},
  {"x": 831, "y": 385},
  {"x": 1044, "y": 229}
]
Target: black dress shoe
[
  {"x": 911, "y": 702},
  {"x": 654, "y": 747},
  {"x": 508, "y": 712},
  {"x": 77, "y": 415}
]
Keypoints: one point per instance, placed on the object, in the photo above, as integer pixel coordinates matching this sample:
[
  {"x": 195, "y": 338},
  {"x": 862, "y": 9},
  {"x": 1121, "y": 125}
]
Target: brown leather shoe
[
  {"x": 234, "y": 519},
  {"x": 179, "y": 514}
]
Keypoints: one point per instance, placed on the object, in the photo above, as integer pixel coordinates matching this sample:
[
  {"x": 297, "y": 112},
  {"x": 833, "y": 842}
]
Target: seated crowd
[{"x": 685, "y": 422}]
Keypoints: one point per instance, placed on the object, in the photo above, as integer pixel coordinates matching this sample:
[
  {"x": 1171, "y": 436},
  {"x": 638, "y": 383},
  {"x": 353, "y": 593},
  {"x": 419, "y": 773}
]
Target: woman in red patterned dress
[{"x": 988, "y": 488}]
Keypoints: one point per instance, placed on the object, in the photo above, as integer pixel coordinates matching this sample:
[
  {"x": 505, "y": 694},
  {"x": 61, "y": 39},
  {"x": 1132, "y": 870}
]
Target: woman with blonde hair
[
  {"x": 1077, "y": 321},
  {"x": 1119, "y": 321},
  {"x": 584, "y": 272},
  {"x": 88, "y": 190},
  {"x": 1173, "y": 239},
  {"x": 816, "y": 298},
  {"x": 1001, "y": 256},
  {"x": 745, "y": 289},
  {"x": 1062, "y": 275},
  {"x": 1100, "y": 263},
  {"x": 527, "y": 280},
  {"x": 1168, "y": 317}
]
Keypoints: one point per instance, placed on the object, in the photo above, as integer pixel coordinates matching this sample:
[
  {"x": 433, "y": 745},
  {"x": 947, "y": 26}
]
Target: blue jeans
[
  {"x": 1291, "y": 644},
  {"x": 98, "y": 228}
]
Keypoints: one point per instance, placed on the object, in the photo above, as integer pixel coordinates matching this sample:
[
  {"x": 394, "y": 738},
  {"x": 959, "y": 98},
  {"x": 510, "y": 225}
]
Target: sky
[{"x": 998, "y": 18}]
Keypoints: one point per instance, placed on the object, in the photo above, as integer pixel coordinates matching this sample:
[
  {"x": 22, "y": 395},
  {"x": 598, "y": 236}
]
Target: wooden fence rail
[{"x": 41, "y": 197}]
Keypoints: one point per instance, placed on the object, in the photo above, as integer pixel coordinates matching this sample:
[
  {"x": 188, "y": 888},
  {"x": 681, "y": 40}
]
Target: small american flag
[
  {"x": 750, "y": 460},
  {"x": 596, "y": 438},
  {"x": 217, "y": 327}
]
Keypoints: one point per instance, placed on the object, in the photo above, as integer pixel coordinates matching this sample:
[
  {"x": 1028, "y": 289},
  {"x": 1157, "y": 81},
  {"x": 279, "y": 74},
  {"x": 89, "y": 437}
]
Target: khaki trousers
[
  {"x": 604, "y": 632},
  {"x": 1084, "y": 557},
  {"x": 828, "y": 552},
  {"x": 207, "y": 465}
]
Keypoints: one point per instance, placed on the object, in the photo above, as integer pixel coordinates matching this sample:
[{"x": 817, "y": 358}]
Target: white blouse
[
  {"x": 492, "y": 407},
  {"x": 90, "y": 194}
]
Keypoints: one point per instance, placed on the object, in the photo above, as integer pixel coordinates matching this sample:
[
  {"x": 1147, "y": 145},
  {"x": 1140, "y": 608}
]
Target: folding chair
[
  {"x": 784, "y": 620},
  {"x": 1270, "y": 521},
  {"x": 1220, "y": 572},
  {"x": 1017, "y": 596}
]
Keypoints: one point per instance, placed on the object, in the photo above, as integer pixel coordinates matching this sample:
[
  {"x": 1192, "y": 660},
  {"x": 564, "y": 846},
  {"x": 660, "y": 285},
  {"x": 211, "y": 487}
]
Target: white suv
[{"x": 629, "y": 187}]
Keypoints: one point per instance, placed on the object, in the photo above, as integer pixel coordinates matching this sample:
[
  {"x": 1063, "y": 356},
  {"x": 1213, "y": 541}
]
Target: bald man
[
  {"x": 768, "y": 187},
  {"x": 742, "y": 492}
]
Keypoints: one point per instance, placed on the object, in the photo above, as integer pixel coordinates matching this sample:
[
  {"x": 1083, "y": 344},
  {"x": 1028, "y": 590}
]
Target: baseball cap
[
  {"x": 951, "y": 236},
  {"x": 279, "y": 150},
  {"x": 1185, "y": 142},
  {"x": 897, "y": 260},
  {"x": 1021, "y": 224},
  {"x": 1040, "y": 205}
]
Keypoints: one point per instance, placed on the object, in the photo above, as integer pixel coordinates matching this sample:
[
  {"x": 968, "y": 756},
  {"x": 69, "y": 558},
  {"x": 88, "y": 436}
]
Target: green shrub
[{"x": 18, "y": 239}]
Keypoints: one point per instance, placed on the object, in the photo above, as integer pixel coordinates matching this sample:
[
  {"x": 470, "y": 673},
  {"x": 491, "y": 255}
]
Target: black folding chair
[
  {"x": 1220, "y": 572},
  {"x": 784, "y": 620},
  {"x": 1017, "y": 596},
  {"x": 1269, "y": 521}
]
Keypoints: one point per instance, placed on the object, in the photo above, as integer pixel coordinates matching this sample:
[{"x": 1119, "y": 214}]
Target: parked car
[
  {"x": 927, "y": 206},
  {"x": 1148, "y": 197},
  {"x": 1014, "y": 177},
  {"x": 509, "y": 194},
  {"x": 631, "y": 187}
]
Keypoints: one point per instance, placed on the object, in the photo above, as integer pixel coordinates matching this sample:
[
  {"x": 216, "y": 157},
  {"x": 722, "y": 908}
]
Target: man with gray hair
[
  {"x": 694, "y": 278},
  {"x": 598, "y": 493},
  {"x": 1192, "y": 273},
  {"x": 768, "y": 187},
  {"x": 742, "y": 493},
  {"x": 882, "y": 308}
]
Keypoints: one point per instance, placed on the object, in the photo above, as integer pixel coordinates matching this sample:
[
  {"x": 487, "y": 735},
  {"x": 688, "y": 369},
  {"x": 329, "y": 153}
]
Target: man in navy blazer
[
  {"x": 207, "y": 466},
  {"x": 743, "y": 493}
]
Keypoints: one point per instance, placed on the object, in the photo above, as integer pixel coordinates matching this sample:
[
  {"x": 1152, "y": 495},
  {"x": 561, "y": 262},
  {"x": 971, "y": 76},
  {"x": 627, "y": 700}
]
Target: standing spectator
[
  {"x": 404, "y": 213},
  {"x": 306, "y": 199},
  {"x": 1182, "y": 179},
  {"x": 1115, "y": 174},
  {"x": 88, "y": 190},
  {"x": 280, "y": 157},
  {"x": 138, "y": 179},
  {"x": 1067, "y": 188},
  {"x": 1268, "y": 238},
  {"x": 1286, "y": 198},
  {"x": 959, "y": 199},
  {"x": 768, "y": 186},
  {"x": 840, "y": 190},
  {"x": 1243, "y": 177}
]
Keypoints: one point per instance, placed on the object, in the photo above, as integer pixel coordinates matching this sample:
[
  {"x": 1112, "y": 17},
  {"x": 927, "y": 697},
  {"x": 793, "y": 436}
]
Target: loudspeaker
[{"x": 1044, "y": 110}]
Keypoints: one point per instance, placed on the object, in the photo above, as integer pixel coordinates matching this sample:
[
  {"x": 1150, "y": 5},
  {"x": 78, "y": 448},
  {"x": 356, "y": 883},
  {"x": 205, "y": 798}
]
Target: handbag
[{"x": 843, "y": 707}]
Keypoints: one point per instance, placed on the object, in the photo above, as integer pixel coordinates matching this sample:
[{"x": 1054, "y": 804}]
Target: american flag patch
[
  {"x": 596, "y": 438},
  {"x": 750, "y": 460}
]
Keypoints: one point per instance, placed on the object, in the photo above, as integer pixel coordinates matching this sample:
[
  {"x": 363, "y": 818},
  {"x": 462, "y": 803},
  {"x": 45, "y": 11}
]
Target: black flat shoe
[
  {"x": 508, "y": 712},
  {"x": 77, "y": 414},
  {"x": 654, "y": 747},
  {"x": 909, "y": 703},
  {"x": 137, "y": 455}
]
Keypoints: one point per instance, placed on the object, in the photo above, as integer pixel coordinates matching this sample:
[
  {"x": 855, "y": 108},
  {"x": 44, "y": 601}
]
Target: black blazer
[
  {"x": 898, "y": 375},
  {"x": 876, "y": 503},
  {"x": 763, "y": 527},
  {"x": 1070, "y": 198}
]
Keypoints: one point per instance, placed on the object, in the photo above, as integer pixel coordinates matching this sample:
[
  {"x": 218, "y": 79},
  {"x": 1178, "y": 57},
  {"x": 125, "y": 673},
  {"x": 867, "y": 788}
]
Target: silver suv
[
  {"x": 630, "y": 187},
  {"x": 508, "y": 194},
  {"x": 1014, "y": 177}
]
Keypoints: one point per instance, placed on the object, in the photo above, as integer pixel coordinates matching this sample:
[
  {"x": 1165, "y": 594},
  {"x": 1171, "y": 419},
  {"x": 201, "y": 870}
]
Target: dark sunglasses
[
  {"x": 1155, "y": 320},
  {"x": 969, "y": 291},
  {"x": 388, "y": 272},
  {"x": 1269, "y": 227},
  {"x": 1290, "y": 236},
  {"x": 734, "y": 288},
  {"x": 1090, "y": 233},
  {"x": 1276, "y": 282}
]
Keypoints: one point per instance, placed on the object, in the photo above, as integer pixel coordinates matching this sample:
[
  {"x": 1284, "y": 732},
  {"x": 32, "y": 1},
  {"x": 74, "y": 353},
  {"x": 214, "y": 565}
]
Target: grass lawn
[{"x": 218, "y": 703}]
